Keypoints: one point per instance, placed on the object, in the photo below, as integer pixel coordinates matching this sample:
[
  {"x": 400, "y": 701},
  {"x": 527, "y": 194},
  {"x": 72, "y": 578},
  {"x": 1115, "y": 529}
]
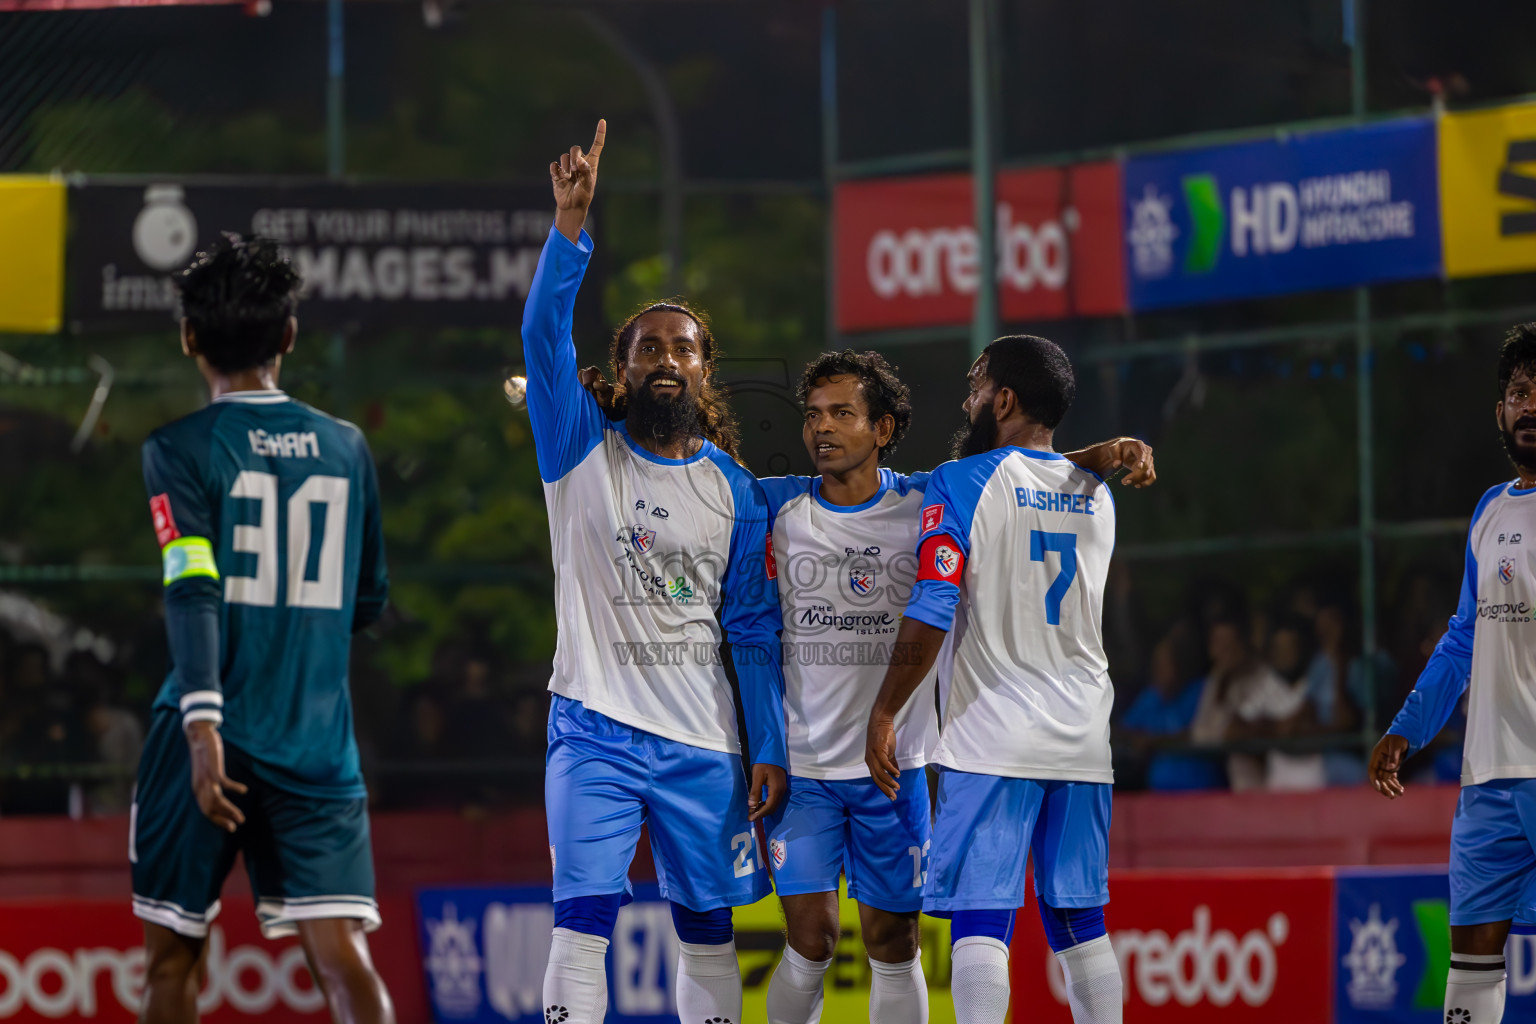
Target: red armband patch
[
  {"x": 768, "y": 562},
  {"x": 940, "y": 559},
  {"x": 933, "y": 515},
  {"x": 165, "y": 523}
]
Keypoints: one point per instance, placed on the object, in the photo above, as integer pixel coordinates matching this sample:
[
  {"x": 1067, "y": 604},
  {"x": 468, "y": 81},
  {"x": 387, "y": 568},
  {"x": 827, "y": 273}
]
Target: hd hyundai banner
[
  {"x": 370, "y": 255},
  {"x": 1307, "y": 212},
  {"x": 907, "y": 250}
]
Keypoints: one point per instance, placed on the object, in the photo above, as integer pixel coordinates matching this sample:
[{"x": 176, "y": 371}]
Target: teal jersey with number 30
[{"x": 277, "y": 505}]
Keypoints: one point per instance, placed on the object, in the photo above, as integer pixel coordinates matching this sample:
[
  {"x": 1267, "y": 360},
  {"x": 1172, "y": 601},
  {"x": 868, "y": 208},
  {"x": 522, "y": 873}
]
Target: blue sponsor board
[
  {"x": 1394, "y": 943},
  {"x": 484, "y": 950},
  {"x": 1313, "y": 211}
]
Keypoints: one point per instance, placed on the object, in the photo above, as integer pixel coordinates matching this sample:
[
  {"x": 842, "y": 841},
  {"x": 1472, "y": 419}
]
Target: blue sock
[
  {"x": 991, "y": 924},
  {"x": 1066, "y": 927},
  {"x": 703, "y": 927},
  {"x": 590, "y": 915}
]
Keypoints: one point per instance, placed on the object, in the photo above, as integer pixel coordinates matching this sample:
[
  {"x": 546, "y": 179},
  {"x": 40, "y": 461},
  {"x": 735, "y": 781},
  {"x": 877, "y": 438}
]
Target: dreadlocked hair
[{"x": 716, "y": 420}]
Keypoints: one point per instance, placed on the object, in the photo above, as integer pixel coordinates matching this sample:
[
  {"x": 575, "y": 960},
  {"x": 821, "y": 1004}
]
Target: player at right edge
[
  {"x": 1487, "y": 653},
  {"x": 1017, "y": 541}
]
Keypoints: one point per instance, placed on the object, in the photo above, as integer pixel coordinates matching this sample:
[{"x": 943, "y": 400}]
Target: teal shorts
[{"x": 308, "y": 858}]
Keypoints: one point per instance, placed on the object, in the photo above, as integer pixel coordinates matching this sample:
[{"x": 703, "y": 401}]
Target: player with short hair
[
  {"x": 267, "y": 514},
  {"x": 843, "y": 542},
  {"x": 659, "y": 539},
  {"x": 1017, "y": 540},
  {"x": 1487, "y": 653}
]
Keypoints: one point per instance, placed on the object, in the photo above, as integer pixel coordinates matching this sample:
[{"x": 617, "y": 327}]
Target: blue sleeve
[
  {"x": 749, "y": 613},
  {"x": 183, "y": 520},
  {"x": 372, "y": 576},
  {"x": 567, "y": 422},
  {"x": 1444, "y": 679},
  {"x": 913, "y": 482},
  {"x": 778, "y": 490},
  {"x": 950, "y": 500}
]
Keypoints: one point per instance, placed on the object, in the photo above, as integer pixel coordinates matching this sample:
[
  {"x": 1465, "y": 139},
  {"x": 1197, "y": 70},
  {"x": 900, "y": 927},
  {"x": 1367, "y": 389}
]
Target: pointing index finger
[{"x": 597, "y": 141}]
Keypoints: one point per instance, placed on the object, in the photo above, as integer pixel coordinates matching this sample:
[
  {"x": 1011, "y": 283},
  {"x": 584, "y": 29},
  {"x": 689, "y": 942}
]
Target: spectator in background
[
  {"x": 116, "y": 734},
  {"x": 1243, "y": 699},
  {"x": 1161, "y": 716},
  {"x": 1290, "y": 653},
  {"x": 1343, "y": 685},
  {"x": 48, "y": 733}
]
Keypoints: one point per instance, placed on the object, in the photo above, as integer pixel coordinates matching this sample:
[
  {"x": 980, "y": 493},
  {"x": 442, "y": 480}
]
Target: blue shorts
[
  {"x": 307, "y": 858},
  {"x": 1493, "y": 863},
  {"x": 987, "y": 826},
  {"x": 603, "y": 780},
  {"x": 832, "y": 827}
]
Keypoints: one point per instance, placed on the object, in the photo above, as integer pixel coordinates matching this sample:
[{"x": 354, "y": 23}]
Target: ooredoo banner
[
  {"x": 85, "y": 959},
  {"x": 907, "y": 248},
  {"x": 1200, "y": 946}
]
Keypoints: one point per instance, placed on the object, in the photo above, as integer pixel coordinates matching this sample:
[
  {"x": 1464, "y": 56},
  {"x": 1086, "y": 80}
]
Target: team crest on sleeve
[
  {"x": 861, "y": 581},
  {"x": 1506, "y": 570},
  {"x": 933, "y": 515},
  {"x": 165, "y": 523},
  {"x": 777, "y": 852},
  {"x": 945, "y": 560}
]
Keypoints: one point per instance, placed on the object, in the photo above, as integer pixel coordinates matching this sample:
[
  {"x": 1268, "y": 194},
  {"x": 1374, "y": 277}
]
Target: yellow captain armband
[{"x": 186, "y": 557}]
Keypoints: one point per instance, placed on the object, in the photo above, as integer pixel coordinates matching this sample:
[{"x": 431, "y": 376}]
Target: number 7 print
[{"x": 1065, "y": 545}]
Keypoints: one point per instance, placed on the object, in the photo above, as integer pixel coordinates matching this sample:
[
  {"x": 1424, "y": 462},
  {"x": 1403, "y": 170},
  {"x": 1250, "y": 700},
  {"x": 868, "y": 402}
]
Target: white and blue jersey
[
  {"x": 1030, "y": 694},
  {"x": 845, "y": 573},
  {"x": 1489, "y": 653},
  {"x": 656, "y": 562},
  {"x": 1014, "y": 552}
]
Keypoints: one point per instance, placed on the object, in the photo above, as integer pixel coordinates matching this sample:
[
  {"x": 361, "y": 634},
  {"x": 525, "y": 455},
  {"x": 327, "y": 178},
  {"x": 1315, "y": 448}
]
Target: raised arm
[{"x": 566, "y": 423}]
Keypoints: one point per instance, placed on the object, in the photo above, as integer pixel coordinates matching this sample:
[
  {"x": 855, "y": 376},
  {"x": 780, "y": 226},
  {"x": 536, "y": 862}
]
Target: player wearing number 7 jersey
[
  {"x": 1014, "y": 550},
  {"x": 267, "y": 515}
]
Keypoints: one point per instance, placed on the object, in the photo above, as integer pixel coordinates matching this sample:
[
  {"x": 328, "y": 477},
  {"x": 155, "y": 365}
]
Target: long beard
[
  {"x": 1523, "y": 458},
  {"x": 664, "y": 419},
  {"x": 977, "y": 436}
]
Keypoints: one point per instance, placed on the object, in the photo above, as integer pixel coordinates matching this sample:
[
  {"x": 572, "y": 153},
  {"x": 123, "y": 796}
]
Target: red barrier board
[
  {"x": 1200, "y": 946},
  {"x": 907, "y": 252},
  {"x": 85, "y": 959}
]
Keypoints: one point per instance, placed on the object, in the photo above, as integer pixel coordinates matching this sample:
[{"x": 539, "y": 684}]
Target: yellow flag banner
[
  {"x": 1488, "y": 191},
  {"x": 31, "y": 254},
  {"x": 760, "y": 943}
]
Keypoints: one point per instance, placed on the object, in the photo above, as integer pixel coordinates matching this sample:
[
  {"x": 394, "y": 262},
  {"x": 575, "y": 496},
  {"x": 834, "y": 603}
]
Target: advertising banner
[
  {"x": 1488, "y": 190},
  {"x": 907, "y": 256},
  {"x": 1200, "y": 946},
  {"x": 85, "y": 959},
  {"x": 1312, "y": 211},
  {"x": 370, "y": 255},
  {"x": 1394, "y": 945},
  {"x": 31, "y": 253},
  {"x": 486, "y": 948}
]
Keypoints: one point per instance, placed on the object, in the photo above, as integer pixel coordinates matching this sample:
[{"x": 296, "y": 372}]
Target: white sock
[
  {"x": 1093, "y": 982},
  {"x": 576, "y": 982},
  {"x": 795, "y": 991},
  {"x": 708, "y": 984},
  {"x": 898, "y": 993},
  {"x": 1474, "y": 997},
  {"x": 979, "y": 980}
]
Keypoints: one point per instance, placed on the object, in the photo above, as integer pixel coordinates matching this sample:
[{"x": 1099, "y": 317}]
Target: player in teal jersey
[{"x": 267, "y": 515}]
